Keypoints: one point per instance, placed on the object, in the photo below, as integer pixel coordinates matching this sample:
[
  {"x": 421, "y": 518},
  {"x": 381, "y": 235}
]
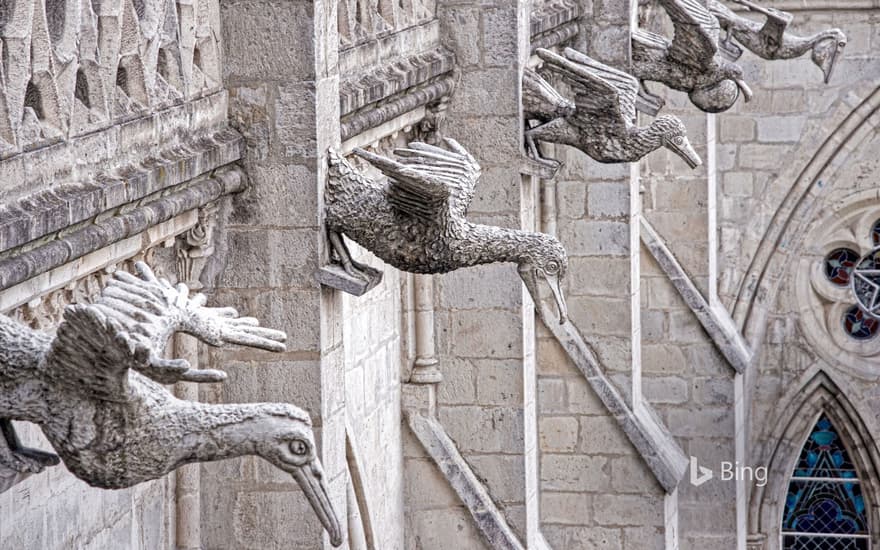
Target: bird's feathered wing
[
  {"x": 92, "y": 353},
  {"x": 429, "y": 182},
  {"x": 601, "y": 91},
  {"x": 697, "y": 31}
]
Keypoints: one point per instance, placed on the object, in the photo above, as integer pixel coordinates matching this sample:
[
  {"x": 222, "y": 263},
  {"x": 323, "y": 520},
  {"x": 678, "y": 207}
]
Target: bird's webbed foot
[
  {"x": 14, "y": 456},
  {"x": 343, "y": 257}
]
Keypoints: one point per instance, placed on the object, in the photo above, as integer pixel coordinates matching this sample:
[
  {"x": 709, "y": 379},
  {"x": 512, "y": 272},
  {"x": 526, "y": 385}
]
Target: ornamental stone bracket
[
  {"x": 716, "y": 320},
  {"x": 554, "y": 23},
  {"x": 642, "y": 426}
]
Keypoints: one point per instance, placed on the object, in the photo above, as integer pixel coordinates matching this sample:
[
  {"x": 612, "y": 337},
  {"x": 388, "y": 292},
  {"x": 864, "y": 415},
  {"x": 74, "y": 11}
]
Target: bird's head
[
  {"x": 545, "y": 259},
  {"x": 284, "y": 438},
  {"x": 674, "y": 137},
  {"x": 721, "y": 96},
  {"x": 827, "y": 50}
]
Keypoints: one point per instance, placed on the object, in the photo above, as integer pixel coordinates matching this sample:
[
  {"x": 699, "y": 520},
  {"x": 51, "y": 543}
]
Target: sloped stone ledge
[
  {"x": 487, "y": 517},
  {"x": 54, "y": 209},
  {"x": 75, "y": 244},
  {"x": 642, "y": 426},
  {"x": 716, "y": 321}
]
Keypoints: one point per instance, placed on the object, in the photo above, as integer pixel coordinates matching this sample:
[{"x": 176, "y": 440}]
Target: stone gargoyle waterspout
[
  {"x": 691, "y": 62},
  {"x": 769, "y": 40},
  {"x": 415, "y": 220},
  {"x": 95, "y": 389},
  {"x": 603, "y": 123}
]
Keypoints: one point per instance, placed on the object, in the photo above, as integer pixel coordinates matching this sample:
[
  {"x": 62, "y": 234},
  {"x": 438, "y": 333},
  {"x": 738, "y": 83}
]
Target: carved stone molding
[
  {"x": 195, "y": 246},
  {"x": 553, "y": 23},
  {"x": 68, "y": 246},
  {"x": 63, "y": 205}
]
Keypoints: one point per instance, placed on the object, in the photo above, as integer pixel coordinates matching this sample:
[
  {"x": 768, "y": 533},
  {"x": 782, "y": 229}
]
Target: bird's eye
[
  {"x": 299, "y": 447},
  {"x": 551, "y": 268},
  {"x": 678, "y": 140}
]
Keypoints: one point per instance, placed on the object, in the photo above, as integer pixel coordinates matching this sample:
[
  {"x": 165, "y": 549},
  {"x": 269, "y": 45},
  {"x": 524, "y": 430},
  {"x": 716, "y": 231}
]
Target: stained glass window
[
  {"x": 875, "y": 233},
  {"x": 824, "y": 506},
  {"x": 839, "y": 265},
  {"x": 858, "y": 325}
]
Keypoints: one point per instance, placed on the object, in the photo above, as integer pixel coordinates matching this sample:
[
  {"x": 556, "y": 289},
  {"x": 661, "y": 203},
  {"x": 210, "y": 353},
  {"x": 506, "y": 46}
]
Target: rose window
[{"x": 838, "y": 292}]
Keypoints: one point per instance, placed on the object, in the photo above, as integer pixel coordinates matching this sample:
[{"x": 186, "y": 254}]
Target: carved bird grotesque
[
  {"x": 690, "y": 62},
  {"x": 603, "y": 123},
  {"x": 415, "y": 220},
  {"x": 771, "y": 41},
  {"x": 95, "y": 389}
]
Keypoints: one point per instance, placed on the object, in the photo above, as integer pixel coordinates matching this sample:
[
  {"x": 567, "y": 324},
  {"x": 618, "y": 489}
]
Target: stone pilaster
[
  {"x": 484, "y": 322},
  {"x": 280, "y": 67}
]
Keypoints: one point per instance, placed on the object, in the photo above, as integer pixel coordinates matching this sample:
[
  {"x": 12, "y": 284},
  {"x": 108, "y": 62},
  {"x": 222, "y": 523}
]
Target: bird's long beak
[
  {"x": 686, "y": 152},
  {"x": 529, "y": 275},
  {"x": 311, "y": 479},
  {"x": 744, "y": 88},
  {"x": 825, "y": 54}
]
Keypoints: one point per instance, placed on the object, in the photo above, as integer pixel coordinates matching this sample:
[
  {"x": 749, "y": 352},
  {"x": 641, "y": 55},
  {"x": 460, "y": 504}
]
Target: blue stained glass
[
  {"x": 825, "y": 508},
  {"x": 875, "y": 233}
]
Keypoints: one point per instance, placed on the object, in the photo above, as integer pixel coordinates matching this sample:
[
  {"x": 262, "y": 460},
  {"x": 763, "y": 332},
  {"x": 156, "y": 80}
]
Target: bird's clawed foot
[
  {"x": 544, "y": 168},
  {"x": 22, "y": 459},
  {"x": 647, "y": 102},
  {"x": 343, "y": 257}
]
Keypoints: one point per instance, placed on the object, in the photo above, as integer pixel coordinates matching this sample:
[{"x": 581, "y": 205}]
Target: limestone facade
[{"x": 447, "y": 414}]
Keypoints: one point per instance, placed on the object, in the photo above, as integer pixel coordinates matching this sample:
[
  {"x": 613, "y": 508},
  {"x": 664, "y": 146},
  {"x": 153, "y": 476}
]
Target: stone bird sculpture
[
  {"x": 771, "y": 41},
  {"x": 603, "y": 124},
  {"x": 690, "y": 62},
  {"x": 415, "y": 220},
  {"x": 95, "y": 389}
]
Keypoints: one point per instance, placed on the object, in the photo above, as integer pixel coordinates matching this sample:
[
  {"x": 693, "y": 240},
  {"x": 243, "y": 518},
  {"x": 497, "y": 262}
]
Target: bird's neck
[
  {"x": 488, "y": 244},
  {"x": 642, "y": 141},
  {"x": 217, "y": 432}
]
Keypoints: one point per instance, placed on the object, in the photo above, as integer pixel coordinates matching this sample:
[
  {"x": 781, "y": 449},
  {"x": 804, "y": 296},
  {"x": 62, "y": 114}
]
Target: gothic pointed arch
[{"x": 815, "y": 409}]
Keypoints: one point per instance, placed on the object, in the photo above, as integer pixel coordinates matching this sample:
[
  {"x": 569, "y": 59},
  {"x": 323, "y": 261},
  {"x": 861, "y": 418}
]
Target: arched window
[{"x": 825, "y": 508}]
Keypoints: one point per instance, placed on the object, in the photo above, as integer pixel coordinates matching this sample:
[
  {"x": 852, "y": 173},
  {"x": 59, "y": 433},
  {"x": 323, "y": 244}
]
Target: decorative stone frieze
[{"x": 72, "y": 66}]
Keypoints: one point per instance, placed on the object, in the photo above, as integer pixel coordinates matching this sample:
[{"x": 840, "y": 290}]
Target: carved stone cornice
[
  {"x": 554, "y": 23},
  {"x": 376, "y": 115},
  {"x": 68, "y": 246},
  {"x": 393, "y": 78},
  {"x": 58, "y": 207}
]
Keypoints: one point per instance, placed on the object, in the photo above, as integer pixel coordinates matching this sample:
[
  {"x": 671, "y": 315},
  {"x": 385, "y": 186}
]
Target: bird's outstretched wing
[
  {"x": 92, "y": 354},
  {"x": 429, "y": 182},
  {"x": 601, "y": 91},
  {"x": 697, "y": 31},
  {"x": 128, "y": 327}
]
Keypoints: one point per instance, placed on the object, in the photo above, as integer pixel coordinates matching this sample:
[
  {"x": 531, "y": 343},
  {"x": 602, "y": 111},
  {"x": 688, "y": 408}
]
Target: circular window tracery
[
  {"x": 829, "y": 279},
  {"x": 839, "y": 265}
]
